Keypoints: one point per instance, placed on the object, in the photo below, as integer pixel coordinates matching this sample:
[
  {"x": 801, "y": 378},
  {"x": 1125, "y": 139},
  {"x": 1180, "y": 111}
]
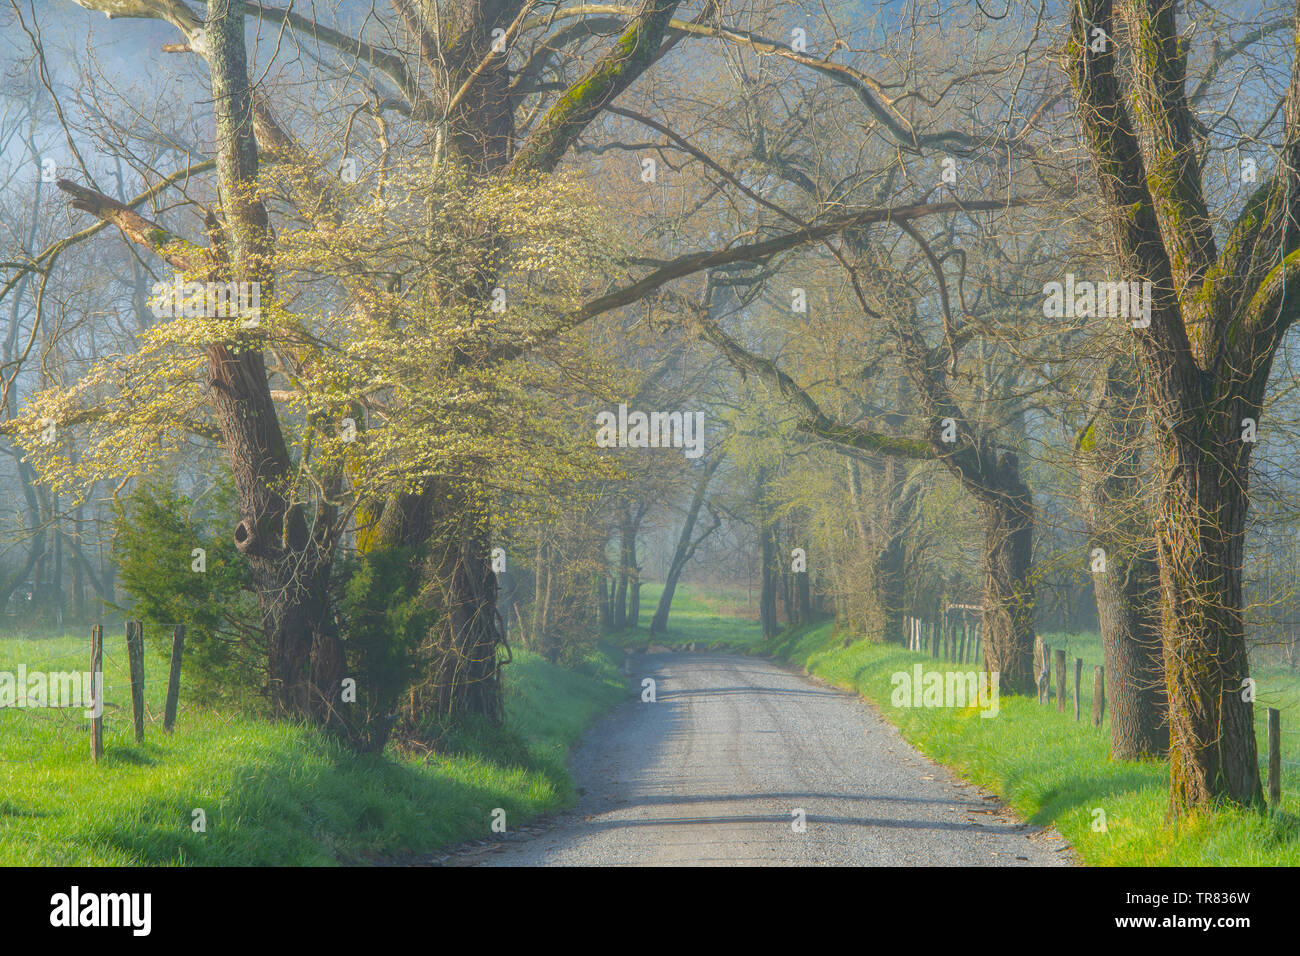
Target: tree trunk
[
  {"x": 291, "y": 577},
  {"x": 79, "y": 577},
  {"x": 685, "y": 549},
  {"x": 804, "y": 591},
  {"x": 888, "y": 595},
  {"x": 459, "y": 670},
  {"x": 1201, "y": 520},
  {"x": 1108, "y": 458},
  {"x": 602, "y": 600},
  {"x": 626, "y": 561},
  {"x": 1127, "y": 608},
  {"x": 1007, "y": 508},
  {"x": 634, "y": 602},
  {"x": 770, "y": 579}
]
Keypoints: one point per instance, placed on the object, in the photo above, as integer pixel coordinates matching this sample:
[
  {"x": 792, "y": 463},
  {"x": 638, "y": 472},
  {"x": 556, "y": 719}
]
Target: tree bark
[
  {"x": 1108, "y": 458},
  {"x": 459, "y": 665},
  {"x": 1007, "y": 509},
  {"x": 1200, "y": 536}
]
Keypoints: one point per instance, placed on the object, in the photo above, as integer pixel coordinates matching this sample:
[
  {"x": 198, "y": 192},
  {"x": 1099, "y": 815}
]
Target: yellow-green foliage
[{"x": 382, "y": 313}]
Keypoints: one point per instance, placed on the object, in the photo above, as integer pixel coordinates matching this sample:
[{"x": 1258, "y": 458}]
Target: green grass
[
  {"x": 699, "y": 615},
  {"x": 1055, "y": 771},
  {"x": 273, "y": 794}
]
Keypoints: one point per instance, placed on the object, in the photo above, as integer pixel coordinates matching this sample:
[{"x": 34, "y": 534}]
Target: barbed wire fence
[{"x": 121, "y": 688}]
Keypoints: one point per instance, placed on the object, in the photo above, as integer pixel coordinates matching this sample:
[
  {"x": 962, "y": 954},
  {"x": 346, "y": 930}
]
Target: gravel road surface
[{"x": 712, "y": 773}]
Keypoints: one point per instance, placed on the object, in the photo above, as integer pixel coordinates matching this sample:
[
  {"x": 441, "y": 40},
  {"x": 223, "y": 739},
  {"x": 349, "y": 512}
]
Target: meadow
[{"x": 271, "y": 793}]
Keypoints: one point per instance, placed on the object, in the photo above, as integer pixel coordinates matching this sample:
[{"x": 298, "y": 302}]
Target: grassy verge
[
  {"x": 1055, "y": 771},
  {"x": 272, "y": 794}
]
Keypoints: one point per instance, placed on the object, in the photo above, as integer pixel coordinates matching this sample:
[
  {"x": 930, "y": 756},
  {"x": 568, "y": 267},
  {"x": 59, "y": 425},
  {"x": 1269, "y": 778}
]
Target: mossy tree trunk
[
  {"x": 1108, "y": 457},
  {"x": 1216, "y": 319}
]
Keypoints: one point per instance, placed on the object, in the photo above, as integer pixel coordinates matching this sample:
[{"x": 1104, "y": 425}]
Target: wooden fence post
[
  {"x": 135, "y": 654},
  {"x": 1274, "y": 757},
  {"x": 1098, "y": 695},
  {"x": 1045, "y": 676},
  {"x": 174, "y": 678},
  {"x": 1060, "y": 679},
  {"x": 97, "y": 681},
  {"x": 1038, "y": 666},
  {"x": 1078, "y": 679}
]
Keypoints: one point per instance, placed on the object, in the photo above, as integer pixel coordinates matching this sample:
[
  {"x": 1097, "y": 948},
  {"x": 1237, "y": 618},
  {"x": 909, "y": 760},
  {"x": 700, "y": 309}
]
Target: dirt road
[{"x": 714, "y": 771}]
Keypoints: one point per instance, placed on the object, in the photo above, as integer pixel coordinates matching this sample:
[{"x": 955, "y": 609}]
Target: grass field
[
  {"x": 1055, "y": 771},
  {"x": 699, "y": 615},
  {"x": 271, "y": 793}
]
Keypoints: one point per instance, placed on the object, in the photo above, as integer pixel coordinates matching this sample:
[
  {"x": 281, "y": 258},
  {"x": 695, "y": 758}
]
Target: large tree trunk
[
  {"x": 1108, "y": 457},
  {"x": 306, "y": 657},
  {"x": 1216, "y": 318},
  {"x": 1201, "y": 523},
  {"x": 1007, "y": 508},
  {"x": 459, "y": 665},
  {"x": 1128, "y": 601}
]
